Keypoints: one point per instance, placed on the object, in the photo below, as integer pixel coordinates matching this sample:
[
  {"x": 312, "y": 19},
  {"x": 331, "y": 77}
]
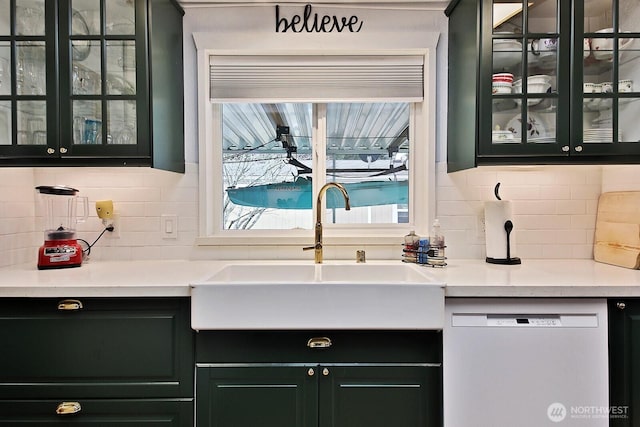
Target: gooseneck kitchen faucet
[{"x": 317, "y": 247}]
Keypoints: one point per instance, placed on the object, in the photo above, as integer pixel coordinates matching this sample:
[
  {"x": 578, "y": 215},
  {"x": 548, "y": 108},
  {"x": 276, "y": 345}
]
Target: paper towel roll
[{"x": 496, "y": 213}]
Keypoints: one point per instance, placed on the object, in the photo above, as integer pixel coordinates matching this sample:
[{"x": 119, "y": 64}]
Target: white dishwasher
[{"x": 525, "y": 362}]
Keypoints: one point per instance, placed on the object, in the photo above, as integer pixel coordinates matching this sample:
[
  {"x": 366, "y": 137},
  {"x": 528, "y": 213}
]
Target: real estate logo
[{"x": 556, "y": 412}]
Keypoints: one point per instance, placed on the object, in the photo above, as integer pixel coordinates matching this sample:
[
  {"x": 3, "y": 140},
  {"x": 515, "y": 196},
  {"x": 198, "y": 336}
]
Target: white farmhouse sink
[{"x": 318, "y": 296}]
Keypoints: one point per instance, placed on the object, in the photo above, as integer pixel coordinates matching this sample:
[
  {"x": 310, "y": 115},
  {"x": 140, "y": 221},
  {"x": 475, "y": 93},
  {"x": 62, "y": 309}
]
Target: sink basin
[{"x": 318, "y": 296}]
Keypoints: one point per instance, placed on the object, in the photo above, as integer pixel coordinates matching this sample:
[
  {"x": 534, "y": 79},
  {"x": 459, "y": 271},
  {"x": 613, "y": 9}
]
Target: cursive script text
[{"x": 314, "y": 23}]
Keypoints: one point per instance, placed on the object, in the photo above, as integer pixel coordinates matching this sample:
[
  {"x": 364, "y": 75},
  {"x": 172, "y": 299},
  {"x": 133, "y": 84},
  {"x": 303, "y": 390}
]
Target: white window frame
[{"x": 421, "y": 163}]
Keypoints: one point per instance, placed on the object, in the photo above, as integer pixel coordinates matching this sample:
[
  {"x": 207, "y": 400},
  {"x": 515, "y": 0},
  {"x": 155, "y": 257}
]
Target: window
[
  {"x": 273, "y": 154},
  {"x": 273, "y": 129}
]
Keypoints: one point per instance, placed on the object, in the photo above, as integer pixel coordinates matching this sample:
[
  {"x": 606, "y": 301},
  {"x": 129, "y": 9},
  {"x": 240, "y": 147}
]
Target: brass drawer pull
[
  {"x": 70, "y": 304},
  {"x": 319, "y": 342},
  {"x": 68, "y": 408}
]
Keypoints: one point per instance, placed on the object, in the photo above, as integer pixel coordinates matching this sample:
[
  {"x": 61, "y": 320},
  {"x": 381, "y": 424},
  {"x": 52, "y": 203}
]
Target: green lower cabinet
[
  {"x": 115, "y": 361},
  {"x": 624, "y": 362},
  {"x": 256, "y": 396},
  {"x": 379, "y": 396},
  {"x": 309, "y": 395},
  {"x": 103, "y": 413}
]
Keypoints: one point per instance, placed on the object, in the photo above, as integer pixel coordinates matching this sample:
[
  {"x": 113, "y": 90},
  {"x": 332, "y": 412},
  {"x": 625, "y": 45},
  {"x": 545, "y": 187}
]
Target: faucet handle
[{"x": 308, "y": 248}]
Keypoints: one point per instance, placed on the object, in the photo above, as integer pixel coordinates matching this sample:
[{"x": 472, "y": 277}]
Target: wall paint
[{"x": 554, "y": 207}]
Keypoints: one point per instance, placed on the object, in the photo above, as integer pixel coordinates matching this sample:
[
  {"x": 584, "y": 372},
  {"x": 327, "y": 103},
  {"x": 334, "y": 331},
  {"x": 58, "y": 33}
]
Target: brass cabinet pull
[
  {"x": 63, "y": 150},
  {"x": 311, "y": 372},
  {"x": 319, "y": 342},
  {"x": 50, "y": 151},
  {"x": 67, "y": 408},
  {"x": 621, "y": 305},
  {"x": 325, "y": 372},
  {"x": 69, "y": 304}
]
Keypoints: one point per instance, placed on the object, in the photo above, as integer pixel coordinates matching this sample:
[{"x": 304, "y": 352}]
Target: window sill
[{"x": 300, "y": 241}]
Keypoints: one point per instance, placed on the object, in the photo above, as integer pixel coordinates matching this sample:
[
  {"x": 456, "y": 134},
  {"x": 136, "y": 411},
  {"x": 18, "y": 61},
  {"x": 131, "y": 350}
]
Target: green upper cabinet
[
  {"x": 78, "y": 83},
  {"x": 544, "y": 81}
]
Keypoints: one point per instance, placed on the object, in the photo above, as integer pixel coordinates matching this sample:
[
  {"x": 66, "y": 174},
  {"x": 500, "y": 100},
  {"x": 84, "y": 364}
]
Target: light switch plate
[{"x": 169, "y": 226}]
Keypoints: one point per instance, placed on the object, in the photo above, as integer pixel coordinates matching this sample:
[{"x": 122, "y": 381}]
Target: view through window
[{"x": 268, "y": 149}]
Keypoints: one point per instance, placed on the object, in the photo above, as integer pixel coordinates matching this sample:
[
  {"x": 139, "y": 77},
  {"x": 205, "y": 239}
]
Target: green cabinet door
[
  {"x": 251, "y": 396},
  {"x": 624, "y": 362},
  {"x": 380, "y": 396},
  {"x": 103, "y": 413},
  {"x": 91, "y": 83},
  {"x": 318, "y": 395}
]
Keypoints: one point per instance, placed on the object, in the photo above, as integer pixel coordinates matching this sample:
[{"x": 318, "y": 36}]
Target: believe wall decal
[{"x": 313, "y": 23}]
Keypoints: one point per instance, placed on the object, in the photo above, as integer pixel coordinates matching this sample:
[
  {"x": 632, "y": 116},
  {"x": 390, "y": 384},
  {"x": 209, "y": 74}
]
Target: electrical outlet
[
  {"x": 169, "y": 226},
  {"x": 115, "y": 222}
]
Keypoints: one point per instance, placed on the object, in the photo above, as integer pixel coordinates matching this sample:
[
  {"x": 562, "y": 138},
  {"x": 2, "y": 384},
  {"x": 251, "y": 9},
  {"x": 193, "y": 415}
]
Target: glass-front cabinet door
[
  {"x": 26, "y": 82},
  {"x": 559, "y": 78},
  {"x": 610, "y": 62},
  {"x": 73, "y": 79},
  {"x": 524, "y": 74},
  {"x": 101, "y": 90}
]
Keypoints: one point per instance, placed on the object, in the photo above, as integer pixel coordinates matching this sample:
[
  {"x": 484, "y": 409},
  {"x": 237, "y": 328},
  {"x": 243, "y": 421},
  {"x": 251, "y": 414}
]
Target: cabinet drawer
[
  {"x": 103, "y": 413},
  {"x": 292, "y": 347},
  {"x": 116, "y": 347}
]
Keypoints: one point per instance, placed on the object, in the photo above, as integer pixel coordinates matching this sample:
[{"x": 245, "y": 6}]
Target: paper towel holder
[{"x": 509, "y": 260}]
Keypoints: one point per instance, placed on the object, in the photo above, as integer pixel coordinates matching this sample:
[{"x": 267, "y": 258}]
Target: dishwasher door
[{"x": 525, "y": 363}]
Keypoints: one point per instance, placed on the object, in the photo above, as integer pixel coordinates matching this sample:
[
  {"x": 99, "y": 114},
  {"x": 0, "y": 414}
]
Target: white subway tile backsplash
[
  {"x": 554, "y": 212},
  {"x": 570, "y": 207},
  {"x": 554, "y": 208}
]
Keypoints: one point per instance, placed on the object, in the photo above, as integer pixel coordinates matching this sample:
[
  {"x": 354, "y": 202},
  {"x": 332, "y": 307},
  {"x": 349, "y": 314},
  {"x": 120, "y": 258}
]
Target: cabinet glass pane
[
  {"x": 87, "y": 122},
  {"x": 507, "y": 55},
  {"x": 5, "y": 27},
  {"x": 629, "y": 57},
  {"x": 30, "y": 68},
  {"x": 30, "y": 18},
  {"x": 32, "y": 123},
  {"x": 121, "y": 122},
  {"x": 5, "y": 122},
  {"x": 629, "y": 112},
  {"x": 598, "y": 15},
  {"x": 543, "y": 16},
  {"x": 121, "y": 67},
  {"x": 629, "y": 16},
  {"x": 539, "y": 125},
  {"x": 85, "y": 17},
  {"x": 507, "y": 16},
  {"x": 85, "y": 78},
  {"x": 542, "y": 59},
  {"x": 120, "y": 17},
  {"x": 503, "y": 129},
  {"x": 5, "y": 68}
]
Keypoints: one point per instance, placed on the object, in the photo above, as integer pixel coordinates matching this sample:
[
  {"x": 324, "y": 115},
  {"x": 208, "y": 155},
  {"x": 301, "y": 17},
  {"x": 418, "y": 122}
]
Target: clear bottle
[
  {"x": 436, "y": 246},
  {"x": 436, "y": 239}
]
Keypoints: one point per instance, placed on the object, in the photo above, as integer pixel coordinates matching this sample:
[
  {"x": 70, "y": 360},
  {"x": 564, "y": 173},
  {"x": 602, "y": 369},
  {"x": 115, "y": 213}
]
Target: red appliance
[{"x": 60, "y": 249}]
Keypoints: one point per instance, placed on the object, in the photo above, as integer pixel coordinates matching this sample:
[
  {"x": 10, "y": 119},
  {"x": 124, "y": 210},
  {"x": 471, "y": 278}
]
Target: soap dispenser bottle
[{"x": 436, "y": 245}]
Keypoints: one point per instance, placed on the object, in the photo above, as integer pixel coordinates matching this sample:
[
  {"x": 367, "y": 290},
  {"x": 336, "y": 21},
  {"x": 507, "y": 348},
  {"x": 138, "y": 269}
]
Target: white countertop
[{"x": 464, "y": 278}]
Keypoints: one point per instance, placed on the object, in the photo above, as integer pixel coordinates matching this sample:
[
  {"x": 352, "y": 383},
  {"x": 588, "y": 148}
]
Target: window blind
[{"x": 316, "y": 78}]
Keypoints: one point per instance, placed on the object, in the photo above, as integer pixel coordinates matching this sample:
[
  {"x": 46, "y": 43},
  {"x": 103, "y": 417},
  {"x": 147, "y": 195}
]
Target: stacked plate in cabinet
[{"x": 598, "y": 135}]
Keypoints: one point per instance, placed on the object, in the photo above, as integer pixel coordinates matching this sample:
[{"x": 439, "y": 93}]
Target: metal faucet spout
[{"x": 317, "y": 247}]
